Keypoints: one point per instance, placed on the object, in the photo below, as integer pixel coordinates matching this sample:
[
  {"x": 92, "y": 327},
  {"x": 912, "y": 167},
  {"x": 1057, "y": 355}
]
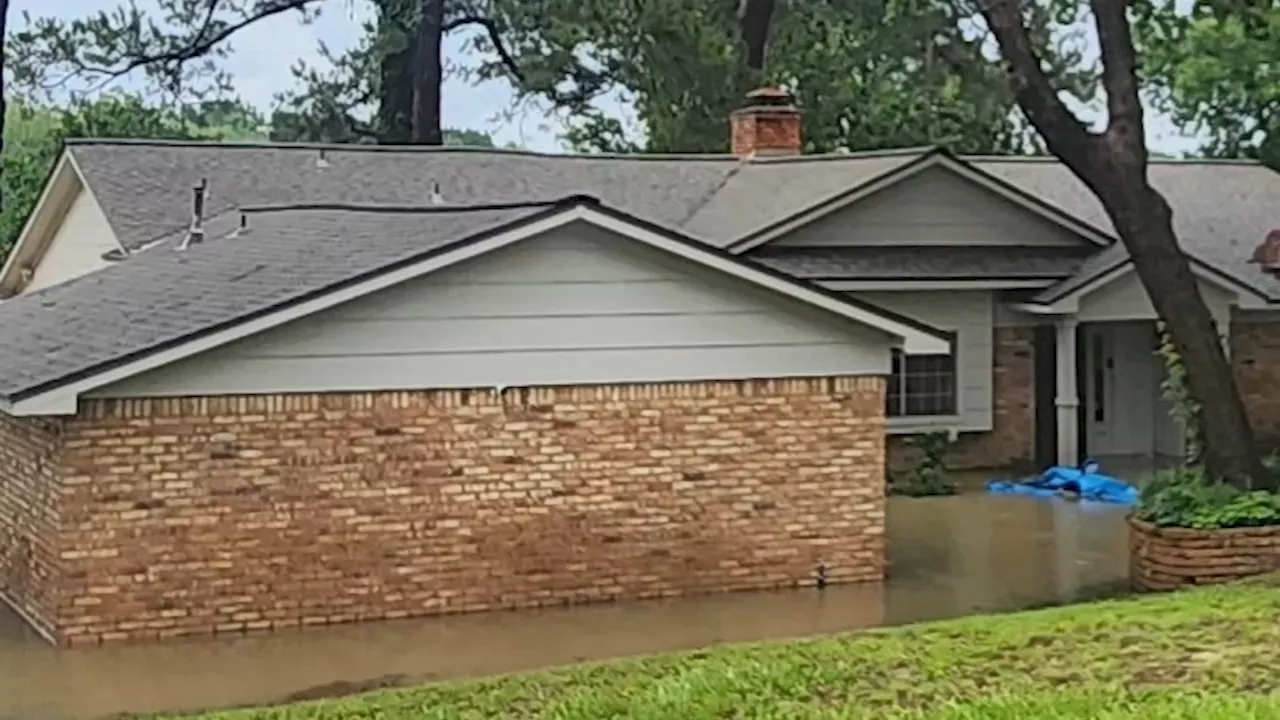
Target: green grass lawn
[{"x": 1206, "y": 654}]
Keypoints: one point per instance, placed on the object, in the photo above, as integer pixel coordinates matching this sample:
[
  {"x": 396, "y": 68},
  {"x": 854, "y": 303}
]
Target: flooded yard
[{"x": 949, "y": 556}]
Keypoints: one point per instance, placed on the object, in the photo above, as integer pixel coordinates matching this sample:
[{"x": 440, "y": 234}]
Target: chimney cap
[{"x": 770, "y": 95}]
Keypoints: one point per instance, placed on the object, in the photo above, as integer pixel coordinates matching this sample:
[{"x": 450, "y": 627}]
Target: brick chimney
[
  {"x": 767, "y": 126},
  {"x": 1268, "y": 253}
]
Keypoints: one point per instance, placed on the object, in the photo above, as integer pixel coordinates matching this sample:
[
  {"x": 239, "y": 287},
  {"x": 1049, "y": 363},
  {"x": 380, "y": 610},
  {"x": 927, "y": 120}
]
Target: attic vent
[
  {"x": 436, "y": 197},
  {"x": 1267, "y": 254}
]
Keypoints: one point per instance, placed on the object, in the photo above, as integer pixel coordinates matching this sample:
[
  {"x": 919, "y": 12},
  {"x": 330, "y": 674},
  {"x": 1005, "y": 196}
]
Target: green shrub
[
  {"x": 929, "y": 475},
  {"x": 1184, "y": 497}
]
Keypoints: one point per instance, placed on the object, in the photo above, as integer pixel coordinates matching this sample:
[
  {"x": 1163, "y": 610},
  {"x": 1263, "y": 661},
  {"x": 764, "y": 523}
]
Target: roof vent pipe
[
  {"x": 196, "y": 233},
  {"x": 242, "y": 227}
]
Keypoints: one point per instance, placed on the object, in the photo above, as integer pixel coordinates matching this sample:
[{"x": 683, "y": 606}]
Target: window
[{"x": 921, "y": 385}]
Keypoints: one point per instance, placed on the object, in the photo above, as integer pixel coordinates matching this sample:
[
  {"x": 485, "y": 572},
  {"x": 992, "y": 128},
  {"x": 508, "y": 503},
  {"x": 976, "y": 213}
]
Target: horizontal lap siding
[{"x": 578, "y": 307}]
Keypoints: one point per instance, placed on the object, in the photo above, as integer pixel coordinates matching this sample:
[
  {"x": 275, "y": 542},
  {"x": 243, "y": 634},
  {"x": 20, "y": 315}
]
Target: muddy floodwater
[{"x": 948, "y": 556}]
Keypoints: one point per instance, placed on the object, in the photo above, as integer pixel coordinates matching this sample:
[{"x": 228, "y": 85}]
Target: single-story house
[{"x": 337, "y": 383}]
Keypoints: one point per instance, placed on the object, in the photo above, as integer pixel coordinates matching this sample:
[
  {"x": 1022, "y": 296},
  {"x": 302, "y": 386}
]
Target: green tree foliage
[
  {"x": 868, "y": 75},
  {"x": 178, "y": 46},
  {"x": 34, "y": 134},
  {"x": 1215, "y": 68}
]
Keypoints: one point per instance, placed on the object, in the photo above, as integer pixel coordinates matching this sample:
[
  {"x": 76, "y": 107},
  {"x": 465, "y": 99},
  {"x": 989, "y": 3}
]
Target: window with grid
[{"x": 921, "y": 385}]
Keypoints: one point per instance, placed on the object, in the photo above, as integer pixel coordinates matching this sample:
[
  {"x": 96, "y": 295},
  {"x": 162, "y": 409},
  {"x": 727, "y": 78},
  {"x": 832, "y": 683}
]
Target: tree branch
[
  {"x": 1119, "y": 75},
  {"x": 1063, "y": 133},
  {"x": 201, "y": 45},
  {"x": 495, "y": 37}
]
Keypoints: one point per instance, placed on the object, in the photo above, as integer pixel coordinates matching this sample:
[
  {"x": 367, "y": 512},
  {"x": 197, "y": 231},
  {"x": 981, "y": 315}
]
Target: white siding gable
[
  {"x": 576, "y": 306},
  {"x": 77, "y": 245},
  {"x": 935, "y": 207},
  {"x": 1124, "y": 298}
]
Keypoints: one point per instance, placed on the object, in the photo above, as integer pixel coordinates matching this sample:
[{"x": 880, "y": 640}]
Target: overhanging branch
[
  {"x": 495, "y": 38},
  {"x": 202, "y": 43},
  {"x": 1063, "y": 133}
]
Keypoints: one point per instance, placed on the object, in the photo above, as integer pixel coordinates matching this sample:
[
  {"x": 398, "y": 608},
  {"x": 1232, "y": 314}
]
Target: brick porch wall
[
  {"x": 29, "y": 517},
  {"x": 1255, "y": 356},
  {"x": 1011, "y": 441},
  {"x": 197, "y": 516}
]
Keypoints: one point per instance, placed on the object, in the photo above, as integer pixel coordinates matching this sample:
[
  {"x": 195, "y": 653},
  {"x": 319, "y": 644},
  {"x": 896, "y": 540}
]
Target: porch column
[{"x": 1066, "y": 399}]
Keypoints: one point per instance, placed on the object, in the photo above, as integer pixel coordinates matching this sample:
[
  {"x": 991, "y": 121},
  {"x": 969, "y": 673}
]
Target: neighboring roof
[
  {"x": 167, "y": 297},
  {"x": 923, "y": 263}
]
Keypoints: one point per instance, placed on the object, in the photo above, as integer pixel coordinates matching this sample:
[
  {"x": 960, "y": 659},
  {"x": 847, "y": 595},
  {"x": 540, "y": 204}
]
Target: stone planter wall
[{"x": 1172, "y": 558}]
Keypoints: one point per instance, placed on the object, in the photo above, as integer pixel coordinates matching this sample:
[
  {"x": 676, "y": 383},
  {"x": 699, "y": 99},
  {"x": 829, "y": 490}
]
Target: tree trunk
[
  {"x": 428, "y": 74},
  {"x": 396, "y": 30},
  {"x": 1114, "y": 166},
  {"x": 4, "y": 105},
  {"x": 1145, "y": 223}
]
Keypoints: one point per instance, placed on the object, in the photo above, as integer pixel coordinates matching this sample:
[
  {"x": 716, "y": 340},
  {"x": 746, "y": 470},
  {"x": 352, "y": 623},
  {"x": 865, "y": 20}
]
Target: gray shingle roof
[
  {"x": 923, "y": 263},
  {"x": 145, "y": 187},
  {"x": 164, "y": 296},
  {"x": 1221, "y": 209}
]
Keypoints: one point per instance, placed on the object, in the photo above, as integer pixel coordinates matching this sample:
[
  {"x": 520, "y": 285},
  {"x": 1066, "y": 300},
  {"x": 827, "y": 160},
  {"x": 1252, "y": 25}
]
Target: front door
[{"x": 1120, "y": 388}]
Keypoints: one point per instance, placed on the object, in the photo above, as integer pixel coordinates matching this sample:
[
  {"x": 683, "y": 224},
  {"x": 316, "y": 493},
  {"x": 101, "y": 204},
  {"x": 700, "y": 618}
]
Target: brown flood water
[{"x": 949, "y": 556}]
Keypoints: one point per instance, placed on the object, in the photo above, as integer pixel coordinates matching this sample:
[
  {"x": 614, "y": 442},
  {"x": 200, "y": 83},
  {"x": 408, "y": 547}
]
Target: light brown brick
[{"x": 302, "y": 510}]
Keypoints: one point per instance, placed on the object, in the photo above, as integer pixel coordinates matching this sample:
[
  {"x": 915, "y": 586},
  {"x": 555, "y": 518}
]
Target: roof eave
[{"x": 1056, "y": 300}]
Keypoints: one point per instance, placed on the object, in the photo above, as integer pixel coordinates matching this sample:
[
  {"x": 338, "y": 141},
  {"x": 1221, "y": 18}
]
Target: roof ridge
[
  {"x": 564, "y": 201},
  {"x": 845, "y": 155},
  {"x": 1053, "y": 160},
  {"x": 406, "y": 149}
]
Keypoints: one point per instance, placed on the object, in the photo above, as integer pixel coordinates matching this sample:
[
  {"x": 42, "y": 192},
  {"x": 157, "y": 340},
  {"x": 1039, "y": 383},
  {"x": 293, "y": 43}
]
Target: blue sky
[{"x": 262, "y": 55}]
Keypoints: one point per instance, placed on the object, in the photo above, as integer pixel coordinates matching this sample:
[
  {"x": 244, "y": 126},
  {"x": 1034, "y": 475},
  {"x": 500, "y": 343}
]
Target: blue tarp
[{"x": 1086, "y": 481}]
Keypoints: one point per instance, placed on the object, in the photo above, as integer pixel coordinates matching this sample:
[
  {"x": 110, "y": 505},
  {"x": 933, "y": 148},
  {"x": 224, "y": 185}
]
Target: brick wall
[
  {"x": 1011, "y": 441},
  {"x": 208, "y": 515},
  {"x": 1255, "y": 355},
  {"x": 29, "y": 518}
]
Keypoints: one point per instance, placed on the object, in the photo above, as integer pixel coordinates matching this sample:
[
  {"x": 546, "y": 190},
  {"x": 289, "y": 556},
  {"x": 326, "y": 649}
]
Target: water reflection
[{"x": 949, "y": 556}]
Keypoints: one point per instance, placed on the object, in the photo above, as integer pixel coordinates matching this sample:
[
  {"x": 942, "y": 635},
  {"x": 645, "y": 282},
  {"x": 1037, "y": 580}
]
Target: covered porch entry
[
  {"x": 1106, "y": 399},
  {"x": 1099, "y": 376},
  {"x": 1124, "y": 411}
]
